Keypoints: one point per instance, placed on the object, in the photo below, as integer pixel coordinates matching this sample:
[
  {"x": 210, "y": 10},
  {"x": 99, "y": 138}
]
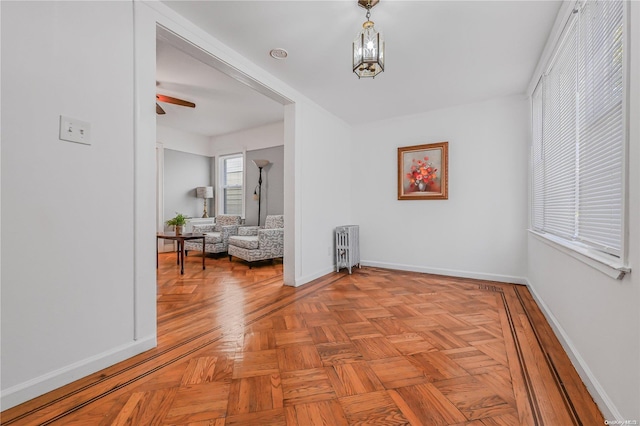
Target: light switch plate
[{"x": 73, "y": 130}]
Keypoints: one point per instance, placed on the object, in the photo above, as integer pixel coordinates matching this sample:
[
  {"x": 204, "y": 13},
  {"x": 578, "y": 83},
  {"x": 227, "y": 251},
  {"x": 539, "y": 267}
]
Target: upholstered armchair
[
  {"x": 217, "y": 236},
  {"x": 259, "y": 243}
]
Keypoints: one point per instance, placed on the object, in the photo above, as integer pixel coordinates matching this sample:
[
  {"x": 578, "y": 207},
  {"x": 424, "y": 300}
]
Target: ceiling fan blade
[
  {"x": 159, "y": 110},
  {"x": 175, "y": 101}
]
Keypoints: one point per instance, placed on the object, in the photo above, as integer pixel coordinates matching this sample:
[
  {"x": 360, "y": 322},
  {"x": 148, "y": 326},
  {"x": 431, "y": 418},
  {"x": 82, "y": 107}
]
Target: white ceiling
[
  {"x": 438, "y": 53},
  {"x": 223, "y": 104}
]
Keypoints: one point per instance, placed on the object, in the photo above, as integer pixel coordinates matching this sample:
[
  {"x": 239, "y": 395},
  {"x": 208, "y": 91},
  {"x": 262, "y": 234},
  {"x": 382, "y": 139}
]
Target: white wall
[
  {"x": 323, "y": 171},
  {"x": 177, "y": 145},
  {"x": 266, "y": 136},
  {"x": 183, "y": 173},
  {"x": 71, "y": 291},
  {"x": 179, "y": 140},
  {"x": 597, "y": 317},
  {"x": 67, "y": 209},
  {"x": 272, "y": 199},
  {"x": 480, "y": 230}
]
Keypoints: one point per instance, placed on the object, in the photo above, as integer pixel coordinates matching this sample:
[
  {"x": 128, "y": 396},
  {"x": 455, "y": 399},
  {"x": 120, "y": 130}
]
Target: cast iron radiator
[{"x": 347, "y": 247}]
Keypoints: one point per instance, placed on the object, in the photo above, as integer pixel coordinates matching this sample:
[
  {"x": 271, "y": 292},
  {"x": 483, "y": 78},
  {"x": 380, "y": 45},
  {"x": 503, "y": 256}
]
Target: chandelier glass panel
[{"x": 368, "y": 47}]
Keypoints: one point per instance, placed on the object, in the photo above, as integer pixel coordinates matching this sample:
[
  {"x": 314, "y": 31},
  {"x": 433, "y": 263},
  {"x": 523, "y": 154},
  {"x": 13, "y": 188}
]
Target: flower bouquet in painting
[{"x": 423, "y": 175}]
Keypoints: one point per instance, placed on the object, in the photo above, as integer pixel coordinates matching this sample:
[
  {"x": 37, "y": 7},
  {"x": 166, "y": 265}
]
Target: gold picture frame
[{"x": 423, "y": 172}]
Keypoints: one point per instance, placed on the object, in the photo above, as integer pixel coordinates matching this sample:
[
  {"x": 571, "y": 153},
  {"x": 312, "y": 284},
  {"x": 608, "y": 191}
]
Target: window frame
[
  {"x": 221, "y": 186},
  {"x": 615, "y": 266}
]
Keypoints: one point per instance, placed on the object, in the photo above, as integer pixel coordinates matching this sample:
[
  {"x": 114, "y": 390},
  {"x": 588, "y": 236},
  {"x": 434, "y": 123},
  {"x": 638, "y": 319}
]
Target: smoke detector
[{"x": 278, "y": 53}]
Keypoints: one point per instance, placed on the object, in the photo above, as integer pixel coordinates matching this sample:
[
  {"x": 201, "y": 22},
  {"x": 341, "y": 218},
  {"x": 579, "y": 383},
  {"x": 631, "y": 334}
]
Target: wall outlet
[{"x": 73, "y": 130}]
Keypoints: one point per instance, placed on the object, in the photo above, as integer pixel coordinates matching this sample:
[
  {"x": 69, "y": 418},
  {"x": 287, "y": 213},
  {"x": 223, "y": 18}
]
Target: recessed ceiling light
[{"x": 278, "y": 53}]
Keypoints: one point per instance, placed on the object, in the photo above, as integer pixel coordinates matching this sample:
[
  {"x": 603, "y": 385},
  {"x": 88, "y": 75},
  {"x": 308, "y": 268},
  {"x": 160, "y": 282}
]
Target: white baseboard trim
[
  {"x": 308, "y": 278},
  {"x": 448, "y": 272},
  {"x": 30, "y": 389},
  {"x": 599, "y": 395}
]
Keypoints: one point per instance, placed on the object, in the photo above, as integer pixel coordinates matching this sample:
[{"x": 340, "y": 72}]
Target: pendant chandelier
[{"x": 368, "y": 47}]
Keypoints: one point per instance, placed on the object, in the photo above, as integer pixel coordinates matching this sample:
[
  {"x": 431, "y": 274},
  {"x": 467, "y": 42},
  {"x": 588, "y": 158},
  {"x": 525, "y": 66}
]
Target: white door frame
[{"x": 154, "y": 20}]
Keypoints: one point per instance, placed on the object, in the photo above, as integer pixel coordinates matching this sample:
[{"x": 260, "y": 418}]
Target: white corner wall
[
  {"x": 68, "y": 274},
  {"x": 479, "y": 232},
  {"x": 179, "y": 140},
  {"x": 597, "y": 317},
  {"x": 261, "y": 137},
  {"x": 323, "y": 190},
  {"x": 183, "y": 172}
]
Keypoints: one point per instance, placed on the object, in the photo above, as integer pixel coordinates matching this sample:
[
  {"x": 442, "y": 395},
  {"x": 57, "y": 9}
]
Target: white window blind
[
  {"x": 536, "y": 159},
  {"x": 232, "y": 188},
  {"x": 559, "y": 139},
  {"x": 600, "y": 124},
  {"x": 578, "y": 132}
]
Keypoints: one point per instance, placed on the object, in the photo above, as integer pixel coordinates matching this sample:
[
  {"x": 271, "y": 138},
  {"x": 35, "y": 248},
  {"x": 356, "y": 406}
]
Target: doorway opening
[{"x": 271, "y": 201}]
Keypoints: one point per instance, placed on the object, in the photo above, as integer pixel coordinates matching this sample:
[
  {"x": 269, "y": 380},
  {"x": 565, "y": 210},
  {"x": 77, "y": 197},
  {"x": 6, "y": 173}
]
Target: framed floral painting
[{"x": 423, "y": 172}]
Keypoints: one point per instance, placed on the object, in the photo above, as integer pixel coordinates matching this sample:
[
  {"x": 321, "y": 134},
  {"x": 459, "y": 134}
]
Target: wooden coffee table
[{"x": 180, "y": 239}]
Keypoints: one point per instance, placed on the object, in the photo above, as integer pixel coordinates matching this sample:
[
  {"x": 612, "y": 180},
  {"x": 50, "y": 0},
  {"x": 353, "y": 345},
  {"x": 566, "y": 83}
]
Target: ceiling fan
[{"x": 170, "y": 100}]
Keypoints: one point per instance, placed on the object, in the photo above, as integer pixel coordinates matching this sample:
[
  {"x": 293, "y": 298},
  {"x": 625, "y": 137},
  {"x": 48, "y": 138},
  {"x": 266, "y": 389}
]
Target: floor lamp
[{"x": 260, "y": 164}]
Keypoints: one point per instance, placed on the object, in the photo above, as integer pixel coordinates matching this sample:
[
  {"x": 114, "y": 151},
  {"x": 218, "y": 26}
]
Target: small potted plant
[{"x": 178, "y": 222}]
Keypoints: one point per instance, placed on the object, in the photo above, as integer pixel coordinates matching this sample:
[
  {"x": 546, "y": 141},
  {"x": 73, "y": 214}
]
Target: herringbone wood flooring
[{"x": 378, "y": 347}]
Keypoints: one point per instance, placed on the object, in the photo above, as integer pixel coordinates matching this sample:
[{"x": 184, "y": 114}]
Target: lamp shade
[
  {"x": 204, "y": 192},
  {"x": 260, "y": 163}
]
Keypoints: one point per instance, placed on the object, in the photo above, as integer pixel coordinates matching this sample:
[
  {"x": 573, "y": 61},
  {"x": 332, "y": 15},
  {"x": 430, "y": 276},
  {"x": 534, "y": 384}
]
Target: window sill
[{"x": 607, "y": 264}]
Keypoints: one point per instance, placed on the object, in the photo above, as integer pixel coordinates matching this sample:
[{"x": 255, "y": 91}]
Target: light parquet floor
[{"x": 379, "y": 347}]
